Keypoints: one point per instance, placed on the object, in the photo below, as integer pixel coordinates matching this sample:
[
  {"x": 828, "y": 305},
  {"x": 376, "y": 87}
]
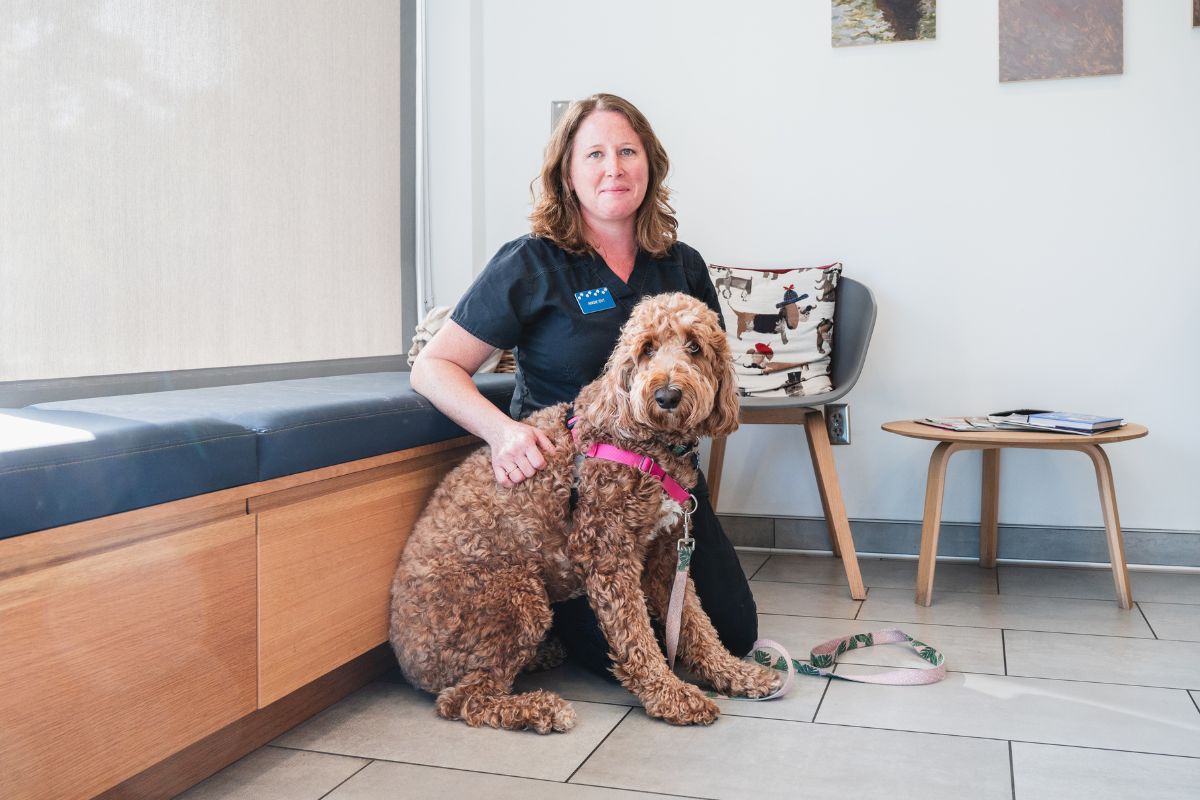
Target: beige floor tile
[
  {"x": 1103, "y": 659},
  {"x": 397, "y": 723},
  {"x": 387, "y": 781},
  {"x": 751, "y": 562},
  {"x": 1102, "y": 617},
  {"x": 966, "y": 649},
  {"x": 272, "y": 773},
  {"x": 1043, "y": 772},
  {"x": 876, "y": 573},
  {"x": 804, "y": 599},
  {"x": 1024, "y": 709},
  {"x": 1173, "y": 620},
  {"x": 743, "y": 758},
  {"x": 1097, "y": 584}
]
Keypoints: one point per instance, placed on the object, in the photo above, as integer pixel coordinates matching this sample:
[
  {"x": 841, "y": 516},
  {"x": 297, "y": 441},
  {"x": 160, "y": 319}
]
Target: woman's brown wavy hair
[{"x": 557, "y": 215}]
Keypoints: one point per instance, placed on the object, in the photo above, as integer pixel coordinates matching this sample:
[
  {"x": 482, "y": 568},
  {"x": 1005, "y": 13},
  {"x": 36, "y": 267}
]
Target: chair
[{"x": 856, "y": 312}]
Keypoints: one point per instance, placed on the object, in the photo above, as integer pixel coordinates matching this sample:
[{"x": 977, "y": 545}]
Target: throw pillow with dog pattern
[{"x": 780, "y": 327}]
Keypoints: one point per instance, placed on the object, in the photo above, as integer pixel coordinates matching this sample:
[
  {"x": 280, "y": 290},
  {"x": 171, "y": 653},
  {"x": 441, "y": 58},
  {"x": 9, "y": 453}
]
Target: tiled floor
[{"x": 1053, "y": 693}]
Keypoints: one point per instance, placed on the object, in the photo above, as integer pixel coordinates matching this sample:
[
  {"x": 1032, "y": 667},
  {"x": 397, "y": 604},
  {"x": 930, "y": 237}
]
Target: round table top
[{"x": 917, "y": 430}]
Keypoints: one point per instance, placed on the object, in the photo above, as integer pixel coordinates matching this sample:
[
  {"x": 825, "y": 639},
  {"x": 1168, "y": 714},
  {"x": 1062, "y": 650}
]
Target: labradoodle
[{"x": 471, "y": 597}]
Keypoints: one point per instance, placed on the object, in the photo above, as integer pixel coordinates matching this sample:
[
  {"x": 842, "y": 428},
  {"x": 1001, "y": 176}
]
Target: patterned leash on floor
[{"x": 823, "y": 656}]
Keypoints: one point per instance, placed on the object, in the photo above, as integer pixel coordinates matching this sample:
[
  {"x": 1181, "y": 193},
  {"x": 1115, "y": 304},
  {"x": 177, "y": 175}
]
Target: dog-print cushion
[{"x": 780, "y": 327}]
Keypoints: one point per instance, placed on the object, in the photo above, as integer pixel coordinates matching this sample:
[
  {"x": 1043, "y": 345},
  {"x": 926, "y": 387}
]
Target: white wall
[
  {"x": 1028, "y": 244},
  {"x": 197, "y": 184}
]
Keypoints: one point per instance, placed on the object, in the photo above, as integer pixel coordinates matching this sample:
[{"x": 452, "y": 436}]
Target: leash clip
[{"x": 686, "y": 541}]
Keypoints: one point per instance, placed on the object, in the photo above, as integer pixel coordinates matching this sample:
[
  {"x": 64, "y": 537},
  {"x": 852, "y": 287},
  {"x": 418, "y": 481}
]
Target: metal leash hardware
[{"x": 684, "y": 548}]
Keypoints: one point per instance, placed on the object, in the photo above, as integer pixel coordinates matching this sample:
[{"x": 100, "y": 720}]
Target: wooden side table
[{"x": 991, "y": 442}]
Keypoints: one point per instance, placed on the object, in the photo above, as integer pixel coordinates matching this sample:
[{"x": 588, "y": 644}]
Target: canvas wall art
[
  {"x": 1196, "y": 13},
  {"x": 873, "y": 21},
  {"x": 1060, "y": 38}
]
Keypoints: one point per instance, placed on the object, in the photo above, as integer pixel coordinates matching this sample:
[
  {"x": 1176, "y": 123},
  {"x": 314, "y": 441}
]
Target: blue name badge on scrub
[{"x": 594, "y": 300}]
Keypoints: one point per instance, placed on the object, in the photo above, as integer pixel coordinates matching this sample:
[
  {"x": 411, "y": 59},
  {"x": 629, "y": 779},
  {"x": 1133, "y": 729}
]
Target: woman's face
[{"x": 609, "y": 170}]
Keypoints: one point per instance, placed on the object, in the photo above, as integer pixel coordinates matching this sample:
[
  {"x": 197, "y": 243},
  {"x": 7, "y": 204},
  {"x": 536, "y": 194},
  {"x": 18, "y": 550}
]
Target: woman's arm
[{"x": 442, "y": 373}]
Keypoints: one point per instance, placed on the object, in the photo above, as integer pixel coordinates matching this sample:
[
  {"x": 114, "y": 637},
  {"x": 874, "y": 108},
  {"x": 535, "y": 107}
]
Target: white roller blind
[{"x": 199, "y": 184}]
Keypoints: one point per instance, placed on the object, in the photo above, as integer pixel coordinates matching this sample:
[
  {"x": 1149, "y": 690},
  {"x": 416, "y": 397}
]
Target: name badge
[{"x": 594, "y": 300}]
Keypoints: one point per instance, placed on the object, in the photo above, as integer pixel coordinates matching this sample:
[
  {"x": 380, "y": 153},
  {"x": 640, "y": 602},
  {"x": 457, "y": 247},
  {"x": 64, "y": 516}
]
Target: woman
[{"x": 603, "y": 236}]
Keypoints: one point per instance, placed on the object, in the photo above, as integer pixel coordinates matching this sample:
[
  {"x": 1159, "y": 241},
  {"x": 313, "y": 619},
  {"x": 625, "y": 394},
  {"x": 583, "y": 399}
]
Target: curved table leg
[
  {"x": 1112, "y": 523},
  {"x": 934, "y": 486},
  {"x": 989, "y": 508}
]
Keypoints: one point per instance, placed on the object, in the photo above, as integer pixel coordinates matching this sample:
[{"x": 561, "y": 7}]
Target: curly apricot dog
[{"x": 471, "y": 598}]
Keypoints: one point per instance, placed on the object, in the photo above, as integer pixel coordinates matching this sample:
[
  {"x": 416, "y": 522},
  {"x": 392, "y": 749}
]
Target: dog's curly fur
[{"x": 471, "y": 597}]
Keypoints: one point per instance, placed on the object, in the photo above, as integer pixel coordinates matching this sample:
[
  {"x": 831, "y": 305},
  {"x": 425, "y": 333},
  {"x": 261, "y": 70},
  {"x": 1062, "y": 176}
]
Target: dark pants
[{"x": 720, "y": 584}]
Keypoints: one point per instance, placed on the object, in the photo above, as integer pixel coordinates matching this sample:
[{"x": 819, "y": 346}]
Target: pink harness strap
[
  {"x": 645, "y": 464},
  {"x": 607, "y": 452}
]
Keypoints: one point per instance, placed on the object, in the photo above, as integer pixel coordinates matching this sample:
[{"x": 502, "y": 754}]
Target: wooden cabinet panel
[
  {"x": 112, "y": 662},
  {"x": 326, "y": 563}
]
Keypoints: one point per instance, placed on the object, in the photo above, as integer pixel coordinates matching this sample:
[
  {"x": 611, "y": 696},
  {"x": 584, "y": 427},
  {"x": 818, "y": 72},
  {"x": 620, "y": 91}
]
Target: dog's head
[{"x": 671, "y": 372}]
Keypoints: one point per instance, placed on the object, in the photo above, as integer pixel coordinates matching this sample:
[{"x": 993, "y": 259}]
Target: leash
[{"x": 822, "y": 657}]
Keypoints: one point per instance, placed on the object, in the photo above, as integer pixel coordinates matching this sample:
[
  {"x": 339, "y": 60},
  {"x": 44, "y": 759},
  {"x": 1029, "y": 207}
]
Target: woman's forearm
[{"x": 450, "y": 388}]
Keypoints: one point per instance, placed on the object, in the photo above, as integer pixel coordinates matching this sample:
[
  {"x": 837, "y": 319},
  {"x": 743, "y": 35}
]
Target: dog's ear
[
  {"x": 607, "y": 398},
  {"x": 724, "y": 418}
]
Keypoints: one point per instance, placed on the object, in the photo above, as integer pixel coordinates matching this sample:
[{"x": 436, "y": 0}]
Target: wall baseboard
[{"x": 960, "y": 540}]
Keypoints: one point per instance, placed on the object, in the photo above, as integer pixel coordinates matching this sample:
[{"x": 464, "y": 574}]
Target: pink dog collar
[{"x": 644, "y": 463}]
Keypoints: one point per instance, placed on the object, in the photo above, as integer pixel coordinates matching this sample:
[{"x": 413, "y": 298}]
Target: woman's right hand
[{"x": 517, "y": 453}]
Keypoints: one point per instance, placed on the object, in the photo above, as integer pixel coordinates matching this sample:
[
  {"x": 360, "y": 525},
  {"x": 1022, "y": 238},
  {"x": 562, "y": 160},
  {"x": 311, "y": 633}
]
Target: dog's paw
[
  {"x": 680, "y": 704},
  {"x": 745, "y": 679},
  {"x": 552, "y": 715}
]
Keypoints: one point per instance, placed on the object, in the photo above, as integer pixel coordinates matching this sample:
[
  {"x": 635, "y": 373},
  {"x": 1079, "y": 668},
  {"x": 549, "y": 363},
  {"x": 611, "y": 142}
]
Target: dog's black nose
[{"x": 668, "y": 397}]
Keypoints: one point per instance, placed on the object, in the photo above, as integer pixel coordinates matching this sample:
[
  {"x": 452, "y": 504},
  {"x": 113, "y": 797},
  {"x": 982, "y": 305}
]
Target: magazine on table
[
  {"x": 1055, "y": 421},
  {"x": 1028, "y": 419}
]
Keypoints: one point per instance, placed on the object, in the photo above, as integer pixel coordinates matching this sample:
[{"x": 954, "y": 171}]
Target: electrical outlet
[
  {"x": 557, "y": 109},
  {"x": 837, "y": 422}
]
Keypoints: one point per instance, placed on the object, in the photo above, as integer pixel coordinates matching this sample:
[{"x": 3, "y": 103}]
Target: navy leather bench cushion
[
  {"x": 309, "y": 423},
  {"x": 78, "y": 459},
  {"x": 59, "y": 466}
]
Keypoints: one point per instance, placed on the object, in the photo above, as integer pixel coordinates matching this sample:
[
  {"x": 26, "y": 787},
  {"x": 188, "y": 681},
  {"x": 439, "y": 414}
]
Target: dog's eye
[
  {"x": 692, "y": 347},
  {"x": 648, "y": 349}
]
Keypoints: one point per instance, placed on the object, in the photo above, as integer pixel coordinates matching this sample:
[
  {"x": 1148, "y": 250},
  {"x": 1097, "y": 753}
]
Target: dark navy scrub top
[{"x": 525, "y": 300}]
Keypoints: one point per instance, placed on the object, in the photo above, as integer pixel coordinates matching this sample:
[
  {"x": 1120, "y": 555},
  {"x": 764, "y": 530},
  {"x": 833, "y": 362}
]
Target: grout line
[
  {"x": 1147, "y": 619},
  {"x": 483, "y": 772},
  {"x": 1004, "y": 648},
  {"x": 750, "y": 577},
  {"x": 1012, "y": 769},
  {"x": 348, "y": 777},
  {"x": 1025, "y": 677},
  {"x": 598, "y": 744},
  {"x": 979, "y": 627},
  {"x": 997, "y": 739},
  {"x": 821, "y": 702},
  {"x": 1194, "y": 701},
  {"x": 644, "y": 791}
]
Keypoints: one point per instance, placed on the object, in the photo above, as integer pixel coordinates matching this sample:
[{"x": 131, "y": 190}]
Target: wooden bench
[{"x": 144, "y": 650}]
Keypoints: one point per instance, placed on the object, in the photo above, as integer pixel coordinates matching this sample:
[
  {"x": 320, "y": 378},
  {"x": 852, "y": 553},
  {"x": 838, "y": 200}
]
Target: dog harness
[{"x": 646, "y": 464}]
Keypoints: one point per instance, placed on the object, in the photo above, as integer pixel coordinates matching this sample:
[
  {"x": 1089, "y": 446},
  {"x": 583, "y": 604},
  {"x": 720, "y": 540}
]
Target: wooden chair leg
[
  {"x": 989, "y": 508},
  {"x": 831, "y": 499},
  {"x": 934, "y": 486},
  {"x": 1112, "y": 523},
  {"x": 716, "y": 463}
]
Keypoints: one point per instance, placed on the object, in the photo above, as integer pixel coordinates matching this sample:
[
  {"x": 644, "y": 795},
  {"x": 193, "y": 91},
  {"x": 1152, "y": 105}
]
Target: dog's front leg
[
  {"x": 700, "y": 647},
  {"x": 638, "y": 663}
]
